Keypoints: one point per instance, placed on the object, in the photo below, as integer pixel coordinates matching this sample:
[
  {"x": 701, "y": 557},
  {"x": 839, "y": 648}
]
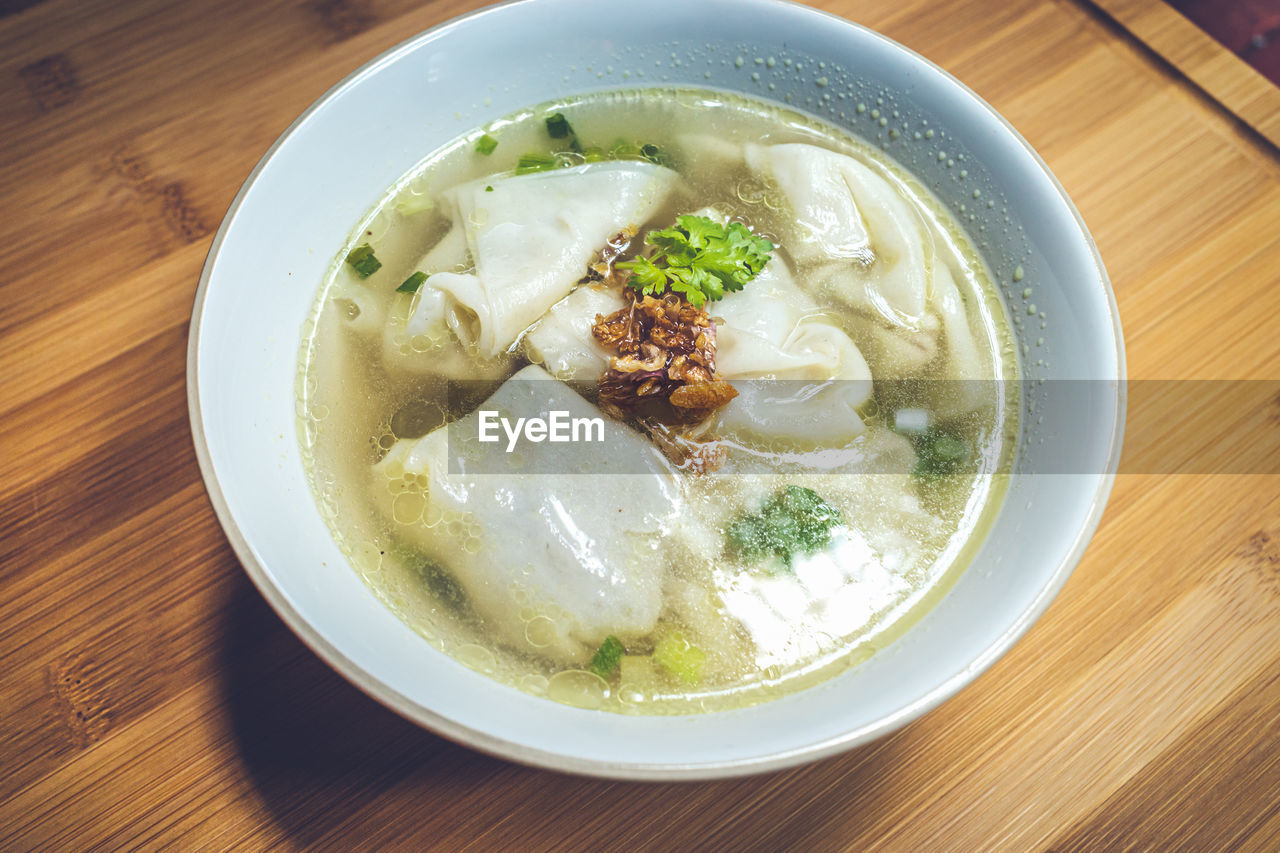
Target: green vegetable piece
[
  {"x": 794, "y": 521},
  {"x": 607, "y": 658},
  {"x": 535, "y": 163},
  {"x": 675, "y": 654},
  {"x": 939, "y": 454},
  {"x": 488, "y": 188},
  {"x": 558, "y": 126},
  {"x": 485, "y": 145},
  {"x": 699, "y": 258},
  {"x": 412, "y": 283},
  {"x": 363, "y": 261},
  {"x": 593, "y": 154},
  {"x": 655, "y": 155}
]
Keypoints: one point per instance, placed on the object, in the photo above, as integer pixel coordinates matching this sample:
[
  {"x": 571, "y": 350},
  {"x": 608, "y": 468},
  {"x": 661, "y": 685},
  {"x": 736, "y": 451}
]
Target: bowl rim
[{"x": 474, "y": 738}]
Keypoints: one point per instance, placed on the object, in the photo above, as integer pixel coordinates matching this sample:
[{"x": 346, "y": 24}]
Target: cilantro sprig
[{"x": 699, "y": 258}]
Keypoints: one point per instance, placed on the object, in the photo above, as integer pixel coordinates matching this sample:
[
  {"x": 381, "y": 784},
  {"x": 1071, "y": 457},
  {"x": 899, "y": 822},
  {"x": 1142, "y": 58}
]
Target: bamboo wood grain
[
  {"x": 151, "y": 699},
  {"x": 1222, "y": 75}
]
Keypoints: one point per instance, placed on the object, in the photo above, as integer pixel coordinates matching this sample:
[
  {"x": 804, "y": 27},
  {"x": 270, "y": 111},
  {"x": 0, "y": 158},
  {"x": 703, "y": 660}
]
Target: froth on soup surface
[{"x": 721, "y": 558}]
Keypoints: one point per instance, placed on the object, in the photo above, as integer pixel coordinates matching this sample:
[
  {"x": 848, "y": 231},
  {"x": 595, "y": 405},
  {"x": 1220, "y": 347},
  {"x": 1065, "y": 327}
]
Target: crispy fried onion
[{"x": 664, "y": 372}]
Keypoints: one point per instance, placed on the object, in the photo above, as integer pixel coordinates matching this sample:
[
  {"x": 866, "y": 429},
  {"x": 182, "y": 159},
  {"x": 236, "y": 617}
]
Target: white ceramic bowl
[{"x": 336, "y": 161}]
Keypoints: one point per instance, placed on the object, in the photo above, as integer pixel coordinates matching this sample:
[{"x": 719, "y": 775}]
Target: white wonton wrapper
[
  {"x": 876, "y": 250},
  {"x": 556, "y": 561},
  {"x": 531, "y": 238}
]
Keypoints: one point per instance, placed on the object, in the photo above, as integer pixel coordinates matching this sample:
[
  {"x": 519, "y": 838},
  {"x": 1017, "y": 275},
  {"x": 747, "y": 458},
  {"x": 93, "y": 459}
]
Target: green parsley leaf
[
  {"x": 700, "y": 259},
  {"x": 363, "y": 261},
  {"x": 607, "y": 658},
  {"x": 412, "y": 283},
  {"x": 794, "y": 521}
]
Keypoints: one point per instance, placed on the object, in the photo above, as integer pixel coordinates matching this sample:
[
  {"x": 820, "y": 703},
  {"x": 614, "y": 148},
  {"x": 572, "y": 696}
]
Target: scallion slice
[
  {"x": 655, "y": 155},
  {"x": 558, "y": 126},
  {"x": 485, "y": 145},
  {"x": 535, "y": 163},
  {"x": 606, "y": 659},
  {"x": 412, "y": 283},
  {"x": 363, "y": 261}
]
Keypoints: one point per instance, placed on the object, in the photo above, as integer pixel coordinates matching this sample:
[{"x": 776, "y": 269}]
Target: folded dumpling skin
[
  {"x": 867, "y": 245},
  {"x": 907, "y": 312},
  {"x": 531, "y": 238},
  {"x": 800, "y": 379},
  {"x": 554, "y": 561},
  {"x": 771, "y": 329},
  {"x": 562, "y": 341}
]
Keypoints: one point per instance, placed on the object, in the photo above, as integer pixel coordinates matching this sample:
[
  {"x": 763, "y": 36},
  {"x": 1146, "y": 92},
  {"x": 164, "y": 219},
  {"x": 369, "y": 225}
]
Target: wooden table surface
[{"x": 150, "y": 698}]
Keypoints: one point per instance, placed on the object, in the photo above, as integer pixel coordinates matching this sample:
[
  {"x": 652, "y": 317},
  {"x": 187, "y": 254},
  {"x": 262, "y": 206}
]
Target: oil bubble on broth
[{"x": 801, "y": 446}]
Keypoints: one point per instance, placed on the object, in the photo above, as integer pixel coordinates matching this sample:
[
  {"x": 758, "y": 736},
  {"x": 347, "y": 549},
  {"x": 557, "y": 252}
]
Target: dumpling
[
  {"x": 789, "y": 616},
  {"x": 908, "y": 311},
  {"x": 771, "y": 329},
  {"x": 799, "y": 378},
  {"x": 530, "y": 238},
  {"x": 898, "y": 352},
  {"x": 554, "y": 561},
  {"x": 963, "y": 359},
  {"x": 869, "y": 247},
  {"x": 817, "y": 187},
  {"x": 418, "y": 341},
  {"x": 416, "y": 336},
  {"x": 793, "y": 616},
  {"x": 562, "y": 341}
]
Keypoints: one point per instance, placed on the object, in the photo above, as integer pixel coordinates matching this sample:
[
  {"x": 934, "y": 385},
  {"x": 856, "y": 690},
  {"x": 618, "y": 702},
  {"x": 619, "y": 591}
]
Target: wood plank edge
[{"x": 1246, "y": 95}]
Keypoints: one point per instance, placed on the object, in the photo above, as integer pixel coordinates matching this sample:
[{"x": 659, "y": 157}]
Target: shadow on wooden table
[{"x": 332, "y": 765}]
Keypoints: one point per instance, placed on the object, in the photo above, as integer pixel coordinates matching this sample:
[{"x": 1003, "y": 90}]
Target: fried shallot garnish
[{"x": 664, "y": 370}]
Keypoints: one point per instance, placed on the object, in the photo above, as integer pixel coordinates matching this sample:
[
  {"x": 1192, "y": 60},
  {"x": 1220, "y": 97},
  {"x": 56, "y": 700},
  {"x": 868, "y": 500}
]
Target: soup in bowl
[{"x": 668, "y": 410}]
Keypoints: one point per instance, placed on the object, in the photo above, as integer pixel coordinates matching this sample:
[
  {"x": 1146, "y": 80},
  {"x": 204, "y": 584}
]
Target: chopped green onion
[
  {"x": 412, "y": 283},
  {"x": 607, "y": 658},
  {"x": 674, "y": 654},
  {"x": 558, "y": 126},
  {"x": 485, "y": 144},
  {"x": 363, "y": 261},
  {"x": 655, "y": 155},
  {"x": 488, "y": 188},
  {"x": 535, "y": 163},
  {"x": 593, "y": 154},
  {"x": 938, "y": 454},
  {"x": 410, "y": 203}
]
